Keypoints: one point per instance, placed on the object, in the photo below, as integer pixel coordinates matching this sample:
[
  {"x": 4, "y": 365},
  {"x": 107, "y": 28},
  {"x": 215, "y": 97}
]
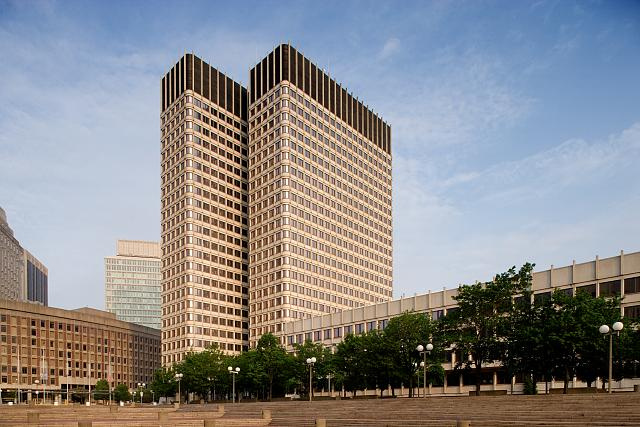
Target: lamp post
[
  {"x": 605, "y": 330},
  {"x": 0, "y": 396},
  {"x": 36, "y": 382},
  {"x": 311, "y": 361},
  {"x": 17, "y": 399},
  {"x": 329, "y": 376},
  {"x": 233, "y": 373},
  {"x": 423, "y": 351},
  {"x": 178, "y": 378},
  {"x": 140, "y": 391}
]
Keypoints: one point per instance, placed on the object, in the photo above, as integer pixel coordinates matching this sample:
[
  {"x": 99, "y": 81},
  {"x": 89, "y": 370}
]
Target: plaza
[{"x": 595, "y": 409}]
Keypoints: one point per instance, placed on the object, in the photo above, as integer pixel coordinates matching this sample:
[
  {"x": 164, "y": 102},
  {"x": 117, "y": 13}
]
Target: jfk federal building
[{"x": 276, "y": 202}]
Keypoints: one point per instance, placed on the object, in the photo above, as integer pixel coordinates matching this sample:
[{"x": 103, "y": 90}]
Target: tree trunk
[
  {"x": 478, "y": 378},
  {"x": 565, "y": 388}
]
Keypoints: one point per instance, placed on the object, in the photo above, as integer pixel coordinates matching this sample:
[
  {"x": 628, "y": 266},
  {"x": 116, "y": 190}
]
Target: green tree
[
  {"x": 274, "y": 362},
  {"x": 401, "y": 337},
  {"x": 348, "y": 362},
  {"x": 121, "y": 393},
  {"x": 164, "y": 383},
  {"x": 479, "y": 327},
  {"x": 101, "y": 390},
  {"x": 301, "y": 368},
  {"x": 200, "y": 370}
]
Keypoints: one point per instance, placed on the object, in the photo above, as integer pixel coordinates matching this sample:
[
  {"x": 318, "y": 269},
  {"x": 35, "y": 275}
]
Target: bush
[
  {"x": 121, "y": 393},
  {"x": 530, "y": 386}
]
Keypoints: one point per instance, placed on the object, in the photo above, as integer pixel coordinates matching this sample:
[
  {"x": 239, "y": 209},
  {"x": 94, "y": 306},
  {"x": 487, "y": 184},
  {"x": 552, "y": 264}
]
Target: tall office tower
[
  {"x": 320, "y": 195},
  {"x": 11, "y": 263},
  {"x": 132, "y": 283},
  {"x": 36, "y": 280},
  {"x": 204, "y": 211}
]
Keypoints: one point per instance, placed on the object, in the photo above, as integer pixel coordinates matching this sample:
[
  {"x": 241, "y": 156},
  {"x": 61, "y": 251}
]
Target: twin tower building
[{"x": 276, "y": 202}]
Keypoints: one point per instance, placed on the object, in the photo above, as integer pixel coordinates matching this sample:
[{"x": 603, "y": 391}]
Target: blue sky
[{"x": 516, "y": 125}]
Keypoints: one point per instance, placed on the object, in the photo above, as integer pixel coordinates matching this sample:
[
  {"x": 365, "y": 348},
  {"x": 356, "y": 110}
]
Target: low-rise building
[
  {"x": 70, "y": 349},
  {"x": 608, "y": 276}
]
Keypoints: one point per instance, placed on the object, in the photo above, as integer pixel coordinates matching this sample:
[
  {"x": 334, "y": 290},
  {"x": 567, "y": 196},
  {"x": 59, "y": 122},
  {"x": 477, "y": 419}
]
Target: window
[
  {"x": 542, "y": 297},
  {"x": 632, "y": 312},
  {"x": 632, "y": 285},
  {"x": 609, "y": 289},
  {"x": 337, "y": 332},
  {"x": 590, "y": 289}
]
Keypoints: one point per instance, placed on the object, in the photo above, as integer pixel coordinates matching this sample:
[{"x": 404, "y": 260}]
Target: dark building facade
[{"x": 37, "y": 280}]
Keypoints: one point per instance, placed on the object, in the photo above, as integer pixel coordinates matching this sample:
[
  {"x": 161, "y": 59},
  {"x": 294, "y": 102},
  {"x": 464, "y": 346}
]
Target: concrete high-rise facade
[
  {"x": 204, "y": 147},
  {"x": 132, "y": 283},
  {"x": 278, "y": 197},
  {"x": 11, "y": 262},
  {"x": 22, "y": 276},
  {"x": 319, "y": 195}
]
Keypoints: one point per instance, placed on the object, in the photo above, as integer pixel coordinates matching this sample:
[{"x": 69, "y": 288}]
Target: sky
[{"x": 515, "y": 124}]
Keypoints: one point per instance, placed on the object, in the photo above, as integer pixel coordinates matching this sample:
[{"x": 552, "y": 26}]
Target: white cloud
[
  {"x": 391, "y": 46},
  {"x": 572, "y": 201}
]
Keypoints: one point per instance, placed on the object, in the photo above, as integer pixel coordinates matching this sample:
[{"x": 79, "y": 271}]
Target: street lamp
[
  {"x": 423, "y": 351},
  {"x": 328, "y": 377},
  {"x": 605, "y": 330},
  {"x": 36, "y": 382},
  {"x": 140, "y": 391},
  {"x": 178, "y": 378},
  {"x": 311, "y": 361},
  {"x": 233, "y": 373}
]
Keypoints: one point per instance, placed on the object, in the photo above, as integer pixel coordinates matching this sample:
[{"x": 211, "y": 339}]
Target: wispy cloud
[
  {"x": 391, "y": 46},
  {"x": 532, "y": 209}
]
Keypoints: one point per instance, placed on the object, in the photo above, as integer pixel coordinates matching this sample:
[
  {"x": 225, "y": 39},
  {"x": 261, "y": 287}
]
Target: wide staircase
[{"x": 618, "y": 409}]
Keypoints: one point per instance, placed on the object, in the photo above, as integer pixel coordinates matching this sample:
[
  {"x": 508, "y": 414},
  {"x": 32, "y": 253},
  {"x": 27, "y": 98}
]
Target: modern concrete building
[
  {"x": 204, "y": 143},
  {"x": 22, "y": 276},
  {"x": 319, "y": 195},
  {"x": 12, "y": 269},
  {"x": 305, "y": 188},
  {"x": 132, "y": 283},
  {"x": 601, "y": 277},
  {"x": 71, "y": 349}
]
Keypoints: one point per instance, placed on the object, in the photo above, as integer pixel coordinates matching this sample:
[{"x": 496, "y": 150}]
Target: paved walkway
[{"x": 619, "y": 409}]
